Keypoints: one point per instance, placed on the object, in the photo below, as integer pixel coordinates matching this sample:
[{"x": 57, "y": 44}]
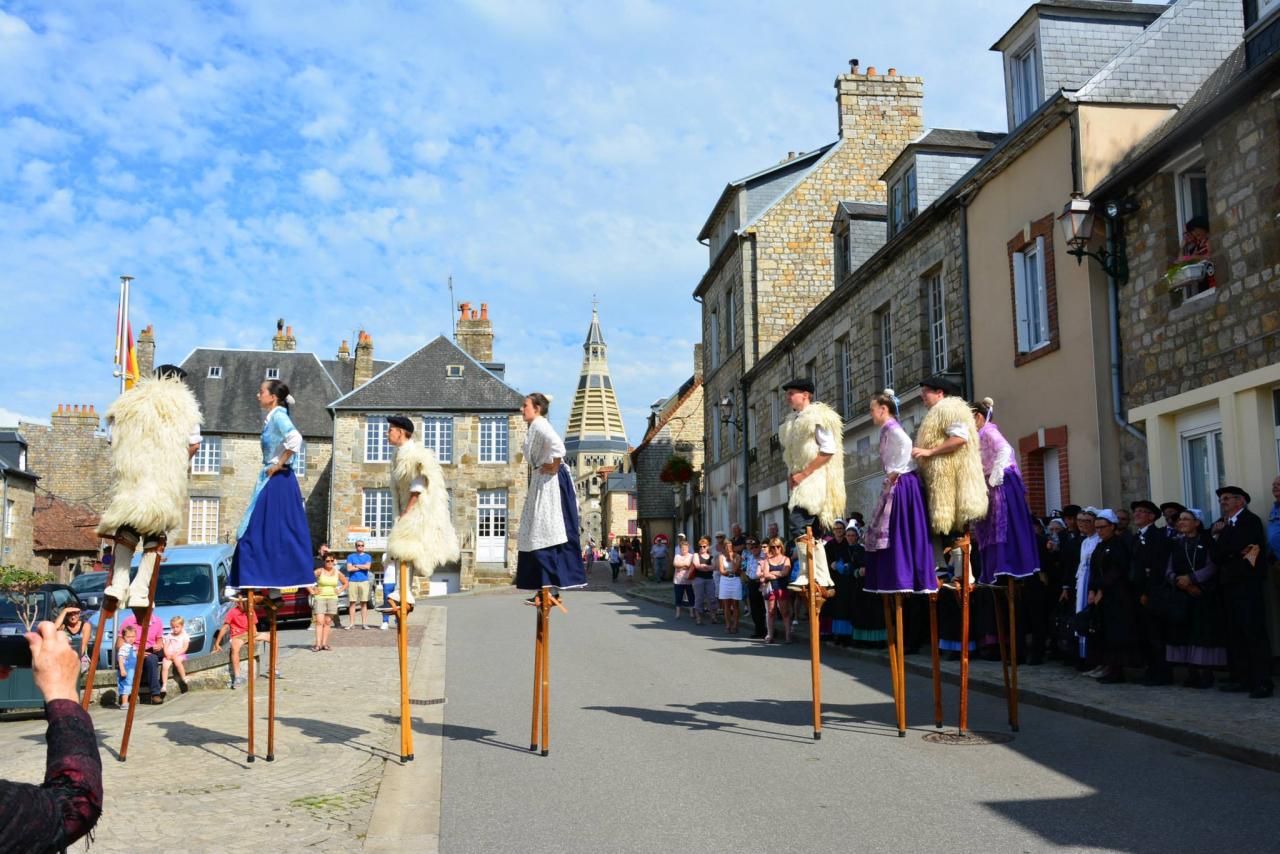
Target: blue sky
[{"x": 334, "y": 163}]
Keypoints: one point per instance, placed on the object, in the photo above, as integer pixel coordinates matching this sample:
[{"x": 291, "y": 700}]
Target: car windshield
[
  {"x": 90, "y": 582},
  {"x": 182, "y": 583},
  {"x": 9, "y": 608}
]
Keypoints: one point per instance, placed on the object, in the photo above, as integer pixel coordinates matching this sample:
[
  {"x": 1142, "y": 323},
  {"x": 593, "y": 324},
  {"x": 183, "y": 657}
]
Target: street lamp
[
  {"x": 727, "y": 415},
  {"x": 1077, "y": 220}
]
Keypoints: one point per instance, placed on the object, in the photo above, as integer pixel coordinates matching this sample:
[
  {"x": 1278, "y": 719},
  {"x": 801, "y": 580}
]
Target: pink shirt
[{"x": 155, "y": 630}]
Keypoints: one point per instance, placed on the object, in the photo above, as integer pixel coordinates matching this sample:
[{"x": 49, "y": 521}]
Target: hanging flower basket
[
  {"x": 1188, "y": 271},
  {"x": 676, "y": 470}
]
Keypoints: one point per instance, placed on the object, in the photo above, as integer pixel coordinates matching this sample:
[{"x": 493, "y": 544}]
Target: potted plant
[
  {"x": 1188, "y": 271},
  {"x": 677, "y": 469}
]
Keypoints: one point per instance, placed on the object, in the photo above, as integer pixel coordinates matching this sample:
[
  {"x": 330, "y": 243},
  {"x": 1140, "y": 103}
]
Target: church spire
[{"x": 595, "y": 437}]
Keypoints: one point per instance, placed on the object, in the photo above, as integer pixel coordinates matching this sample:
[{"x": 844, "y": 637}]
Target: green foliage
[{"x": 17, "y": 585}]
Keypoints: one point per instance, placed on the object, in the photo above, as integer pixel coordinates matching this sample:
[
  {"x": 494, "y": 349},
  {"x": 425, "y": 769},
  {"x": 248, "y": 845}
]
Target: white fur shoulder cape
[{"x": 424, "y": 536}]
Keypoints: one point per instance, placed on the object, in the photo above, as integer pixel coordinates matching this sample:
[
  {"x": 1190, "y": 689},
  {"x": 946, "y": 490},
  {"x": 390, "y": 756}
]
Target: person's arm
[
  {"x": 816, "y": 463},
  {"x": 949, "y": 446},
  {"x": 342, "y": 579}
]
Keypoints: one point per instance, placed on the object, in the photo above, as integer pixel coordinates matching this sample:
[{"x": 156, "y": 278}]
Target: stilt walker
[
  {"x": 899, "y": 556},
  {"x": 1006, "y": 540},
  {"x": 273, "y": 540},
  {"x": 951, "y": 467},
  {"x": 815, "y": 599},
  {"x": 422, "y": 540},
  {"x": 143, "y": 617},
  {"x": 155, "y": 430},
  {"x": 550, "y": 557}
]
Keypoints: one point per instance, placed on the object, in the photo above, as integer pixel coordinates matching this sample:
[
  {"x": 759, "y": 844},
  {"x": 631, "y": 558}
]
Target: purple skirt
[
  {"x": 1015, "y": 554},
  {"x": 906, "y": 565}
]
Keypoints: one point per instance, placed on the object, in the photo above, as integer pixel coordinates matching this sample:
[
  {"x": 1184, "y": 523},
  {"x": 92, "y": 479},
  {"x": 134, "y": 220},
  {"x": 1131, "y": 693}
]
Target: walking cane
[
  {"x": 895, "y": 652},
  {"x": 253, "y": 639},
  {"x": 815, "y": 664},
  {"x": 402, "y": 643},
  {"x": 963, "y": 543},
  {"x": 937, "y": 663},
  {"x": 271, "y": 693},
  {"x": 144, "y": 626}
]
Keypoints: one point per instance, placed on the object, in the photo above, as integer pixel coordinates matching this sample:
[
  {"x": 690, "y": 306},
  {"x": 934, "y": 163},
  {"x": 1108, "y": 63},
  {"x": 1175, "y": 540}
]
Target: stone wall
[
  {"x": 1171, "y": 345},
  {"x": 71, "y": 456},
  {"x": 17, "y": 549}
]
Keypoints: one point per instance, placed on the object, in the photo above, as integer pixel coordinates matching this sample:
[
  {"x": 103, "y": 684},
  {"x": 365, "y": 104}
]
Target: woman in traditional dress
[
  {"x": 273, "y": 542},
  {"x": 1088, "y": 542},
  {"x": 549, "y": 552},
  {"x": 839, "y": 608},
  {"x": 899, "y": 556},
  {"x": 1007, "y": 536},
  {"x": 1111, "y": 592},
  {"x": 1200, "y": 639}
]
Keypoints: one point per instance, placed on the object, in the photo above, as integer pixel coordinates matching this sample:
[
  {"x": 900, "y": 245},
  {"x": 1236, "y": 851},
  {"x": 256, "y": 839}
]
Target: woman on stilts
[
  {"x": 899, "y": 555},
  {"x": 273, "y": 541},
  {"x": 548, "y": 560}
]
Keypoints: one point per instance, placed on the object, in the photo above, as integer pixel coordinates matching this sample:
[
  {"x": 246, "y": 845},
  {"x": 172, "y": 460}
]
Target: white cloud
[
  {"x": 9, "y": 417},
  {"x": 322, "y": 184},
  {"x": 431, "y": 150}
]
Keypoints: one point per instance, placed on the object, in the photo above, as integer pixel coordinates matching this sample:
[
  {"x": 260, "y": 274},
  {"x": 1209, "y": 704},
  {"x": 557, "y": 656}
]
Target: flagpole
[{"x": 124, "y": 332}]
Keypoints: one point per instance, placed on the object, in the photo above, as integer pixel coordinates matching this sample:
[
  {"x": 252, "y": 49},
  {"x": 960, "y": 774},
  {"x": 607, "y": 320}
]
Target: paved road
[{"x": 670, "y": 738}]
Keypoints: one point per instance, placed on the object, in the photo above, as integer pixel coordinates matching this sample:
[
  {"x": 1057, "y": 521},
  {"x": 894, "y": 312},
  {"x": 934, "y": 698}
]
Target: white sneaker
[{"x": 384, "y": 627}]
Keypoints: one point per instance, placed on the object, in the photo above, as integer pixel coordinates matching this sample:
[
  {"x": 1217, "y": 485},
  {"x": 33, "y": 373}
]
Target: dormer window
[
  {"x": 1024, "y": 82},
  {"x": 842, "y": 253},
  {"x": 453, "y": 372},
  {"x": 215, "y": 372},
  {"x": 903, "y": 201},
  {"x": 273, "y": 373}
]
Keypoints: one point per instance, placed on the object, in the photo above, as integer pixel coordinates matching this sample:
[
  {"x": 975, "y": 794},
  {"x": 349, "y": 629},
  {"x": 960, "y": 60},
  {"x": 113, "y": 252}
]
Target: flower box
[{"x": 1188, "y": 272}]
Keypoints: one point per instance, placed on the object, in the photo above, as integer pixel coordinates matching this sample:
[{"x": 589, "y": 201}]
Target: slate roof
[
  {"x": 343, "y": 371},
  {"x": 62, "y": 527},
  {"x": 418, "y": 382},
  {"x": 620, "y": 482},
  {"x": 1170, "y": 59},
  {"x": 865, "y": 210},
  {"x": 229, "y": 404},
  {"x": 765, "y": 187},
  {"x": 954, "y": 138},
  {"x": 11, "y": 446},
  {"x": 1108, "y": 8}
]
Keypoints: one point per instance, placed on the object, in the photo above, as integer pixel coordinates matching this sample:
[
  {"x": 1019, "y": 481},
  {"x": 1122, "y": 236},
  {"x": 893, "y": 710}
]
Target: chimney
[
  {"x": 697, "y": 361},
  {"x": 146, "y": 351},
  {"x": 74, "y": 419},
  {"x": 879, "y": 114},
  {"x": 283, "y": 341},
  {"x": 364, "y": 359},
  {"x": 344, "y": 352},
  {"x": 475, "y": 332}
]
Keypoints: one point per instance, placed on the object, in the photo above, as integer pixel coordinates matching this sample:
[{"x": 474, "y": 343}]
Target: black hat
[
  {"x": 942, "y": 383},
  {"x": 400, "y": 421},
  {"x": 1171, "y": 505},
  {"x": 166, "y": 372},
  {"x": 799, "y": 385},
  {"x": 1145, "y": 504},
  {"x": 1070, "y": 511},
  {"x": 1233, "y": 490}
]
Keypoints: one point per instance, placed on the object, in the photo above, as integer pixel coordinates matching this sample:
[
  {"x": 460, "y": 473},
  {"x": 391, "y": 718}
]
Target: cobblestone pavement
[
  {"x": 188, "y": 787},
  {"x": 1242, "y": 729}
]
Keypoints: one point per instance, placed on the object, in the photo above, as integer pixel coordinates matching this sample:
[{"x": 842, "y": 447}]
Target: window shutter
[
  {"x": 1020, "y": 300},
  {"x": 1042, "y": 294}
]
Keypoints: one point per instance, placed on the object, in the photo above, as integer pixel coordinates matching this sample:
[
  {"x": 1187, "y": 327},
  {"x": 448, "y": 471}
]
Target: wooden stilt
[
  {"x": 936, "y": 657},
  {"x": 1013, "y": 653},
  {"x": 271, "y": 693},
  {"x": 891, "y": 641},
  {"x": 963, "y": 542},
  {"x": 815, "y": 662},
  {"x": 253, "y": 649},
  {"x": 402, "y": 640},
  {"x": 537, "y": 674},
  {"x": 1002, "y": 635},
  {"x": 93, "y": 658},
  {"x": 144, "y": 623},
  {"x": 544, "y": 605},
  {"x": 902, "y": 665}
]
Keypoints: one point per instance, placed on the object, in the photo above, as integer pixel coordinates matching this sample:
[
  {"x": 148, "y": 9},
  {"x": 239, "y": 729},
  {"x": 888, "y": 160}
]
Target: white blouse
[{"x": 896, "y": 456}]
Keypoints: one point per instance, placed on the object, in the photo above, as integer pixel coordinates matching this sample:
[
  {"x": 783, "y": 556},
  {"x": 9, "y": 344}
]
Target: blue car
[{"x": 191, "y": 583}]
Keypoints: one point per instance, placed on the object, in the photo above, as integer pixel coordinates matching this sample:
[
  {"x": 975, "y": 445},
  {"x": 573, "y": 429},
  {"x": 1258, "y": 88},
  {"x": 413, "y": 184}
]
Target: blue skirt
[
  {"x": 559, "y": 565},
  {"x": 275, "y": 548}
]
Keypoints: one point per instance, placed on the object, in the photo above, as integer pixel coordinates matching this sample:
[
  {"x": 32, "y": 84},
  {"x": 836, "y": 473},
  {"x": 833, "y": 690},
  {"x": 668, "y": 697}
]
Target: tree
[{"x": 17, "y": 586}]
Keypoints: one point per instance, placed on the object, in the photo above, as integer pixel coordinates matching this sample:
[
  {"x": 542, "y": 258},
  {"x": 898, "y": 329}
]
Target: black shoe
[
  {"x": 1232, "y": 688},
  {"x": 1262, "y": 693}
]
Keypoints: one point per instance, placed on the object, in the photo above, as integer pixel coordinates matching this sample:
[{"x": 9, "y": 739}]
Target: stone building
[
  {"x": 463, "y": 409},
  {"x": 595, "y": 440},
  {"x": 17, "y": 501},
  {"x": 64, "y": 538},
  {"x": 72, "y": 455},
  {"x": 1041, "y": 345},
  {"x": 618, "y": 506},
  {"x": 1201, "y": 354},
  {"x": 675, "y": 428},
  {"x": 771, "y": 259}
]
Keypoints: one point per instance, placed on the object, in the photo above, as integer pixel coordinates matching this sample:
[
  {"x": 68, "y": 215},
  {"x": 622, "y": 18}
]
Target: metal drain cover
[
  {"x": 437, "y": 701},
  {"x": 969, "y": 739}
]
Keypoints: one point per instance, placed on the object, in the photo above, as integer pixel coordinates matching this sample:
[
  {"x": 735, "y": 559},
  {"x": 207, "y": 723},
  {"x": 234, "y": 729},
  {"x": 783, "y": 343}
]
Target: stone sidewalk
[
  {"x": 187, "y": 784},
  {"x": 1229, "y": 725}
]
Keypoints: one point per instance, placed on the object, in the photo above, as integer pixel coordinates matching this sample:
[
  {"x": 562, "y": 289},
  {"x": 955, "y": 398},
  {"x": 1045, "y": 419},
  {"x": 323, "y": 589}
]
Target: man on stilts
[
  {"x": 155, "y": 431},
  {"x": 421, "y": 541},
  {"x": 811, "y": 448}
]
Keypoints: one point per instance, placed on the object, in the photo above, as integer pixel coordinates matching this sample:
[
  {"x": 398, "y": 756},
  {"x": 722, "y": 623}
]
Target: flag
[{"x": 131, "y": 359}]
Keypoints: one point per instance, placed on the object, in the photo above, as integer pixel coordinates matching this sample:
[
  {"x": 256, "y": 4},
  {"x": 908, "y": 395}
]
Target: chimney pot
[
  {"x": 853, "y": 66},
  {"x": 484, "y": 311},
  {"x": 466, "y": 309},
  {"x": 871, "y": 71},
  {"x": 279, "y": 324}
]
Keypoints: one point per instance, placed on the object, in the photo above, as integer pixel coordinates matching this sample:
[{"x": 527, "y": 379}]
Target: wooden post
[
  {"x": 891, "y": 641},
  {"x": 544, "y": 604},
  {"x": 963, "y": 542},
  {"x": 537, "y": 674},
  {"x": 815, "y": 646},
  {"x": 144, "y": 624},
  {"x": 937, "y": 662},
  {"x": 271, "y": 693},
  {"x": 253, "y": 650},
  {"x": 402, "y": 639},
  {"x": 93, "y": 657},
  {"x": 902, "y": 665},
  {"x": 1013, "y": 653}
]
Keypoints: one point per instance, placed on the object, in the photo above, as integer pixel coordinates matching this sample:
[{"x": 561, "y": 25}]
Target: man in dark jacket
[
  {"x": 1240, "y": 542},
  {"x": 1150, "y": 549}
]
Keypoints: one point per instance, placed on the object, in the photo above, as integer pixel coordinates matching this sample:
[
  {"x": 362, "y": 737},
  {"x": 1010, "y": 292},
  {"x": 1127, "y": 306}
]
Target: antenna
[{"x": 453, "y": 312}]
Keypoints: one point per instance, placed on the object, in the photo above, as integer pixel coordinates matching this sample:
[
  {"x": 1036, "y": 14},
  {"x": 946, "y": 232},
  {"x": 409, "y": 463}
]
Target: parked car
[
  {"x": 191, "y": 585},
  {"x": 19, "y": 690},
  {"x": 297, "y": 604},
  {"x": 89, "y": 587}
]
